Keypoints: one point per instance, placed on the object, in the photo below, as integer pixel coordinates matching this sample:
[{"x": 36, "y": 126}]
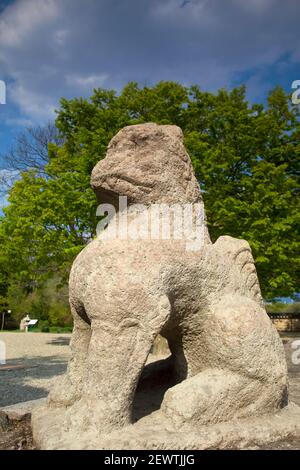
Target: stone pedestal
[{"x": 154, "y": 433}]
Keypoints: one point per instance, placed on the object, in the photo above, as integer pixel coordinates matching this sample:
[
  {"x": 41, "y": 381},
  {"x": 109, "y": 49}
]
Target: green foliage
[
  {"x": 48, "y": 303},
  {"x": 245, "y": 156},
  {"x": 280, "y": 307},
  {"x": 247, "y": 159},
  {"x": 45, "y": 327}
]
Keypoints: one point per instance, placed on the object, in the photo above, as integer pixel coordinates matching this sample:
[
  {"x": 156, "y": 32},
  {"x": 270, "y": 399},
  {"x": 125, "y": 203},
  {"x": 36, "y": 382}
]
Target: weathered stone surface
[
  {"x": 149, "y": 164},
  {"x": 22, "y": 409},
  {"x": 152, "y": 432},
  {"x": 227, "y": 357}
]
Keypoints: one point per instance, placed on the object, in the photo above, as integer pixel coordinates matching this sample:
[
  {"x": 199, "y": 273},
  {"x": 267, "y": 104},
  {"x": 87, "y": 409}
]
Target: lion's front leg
[
  {"x": 116, "y": 356},
  {"x": 68, "y": 388}
]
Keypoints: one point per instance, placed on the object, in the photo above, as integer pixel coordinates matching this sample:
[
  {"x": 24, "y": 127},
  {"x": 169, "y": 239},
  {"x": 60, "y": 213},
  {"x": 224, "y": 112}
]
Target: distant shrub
[
  {"x": 283, "y": 308},
  {"x": 45, "y": 328}
]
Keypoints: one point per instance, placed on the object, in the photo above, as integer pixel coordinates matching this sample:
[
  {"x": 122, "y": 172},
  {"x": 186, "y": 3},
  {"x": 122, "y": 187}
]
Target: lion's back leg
[{"x": 241, "y": 368}]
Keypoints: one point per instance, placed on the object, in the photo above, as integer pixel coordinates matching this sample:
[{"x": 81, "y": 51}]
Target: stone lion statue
[{"x": 227, "y": 356}]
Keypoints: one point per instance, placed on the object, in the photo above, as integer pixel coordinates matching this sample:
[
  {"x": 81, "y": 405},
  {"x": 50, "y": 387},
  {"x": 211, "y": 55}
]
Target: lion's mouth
[
  {"x": 114, "y": 178},
  {"x": 113, "y": 185}
]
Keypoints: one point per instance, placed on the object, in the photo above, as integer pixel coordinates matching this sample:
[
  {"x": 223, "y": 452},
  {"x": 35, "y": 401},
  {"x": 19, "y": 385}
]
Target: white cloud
[
  {"x": 20, "y": 20},
  {"x": 8, "y": 174},
  {"x": 3, "y": 173},
  {"x": 38, "y": 106},
  {"x": 18, "y": 121},
  {"x": 89, "y": 81},
  {"x": 55, "y": 48}
]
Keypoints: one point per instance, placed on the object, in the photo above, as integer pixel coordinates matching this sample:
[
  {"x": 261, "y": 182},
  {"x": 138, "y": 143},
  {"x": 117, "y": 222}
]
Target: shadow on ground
[
  {"x": 13, "y": 383},
  {"x": 60, "y": 341},
  {"x": 155, "y": 380}
]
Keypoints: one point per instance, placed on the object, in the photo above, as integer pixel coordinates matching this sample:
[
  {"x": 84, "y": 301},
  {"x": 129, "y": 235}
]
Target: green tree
[
  {"x": 247, "y": 160},
  {"x": 245, "y": 156}
]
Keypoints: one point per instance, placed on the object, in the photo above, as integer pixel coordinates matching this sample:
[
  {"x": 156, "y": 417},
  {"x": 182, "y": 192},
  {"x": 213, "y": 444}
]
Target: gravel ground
[{"x": 42, "y": 356}]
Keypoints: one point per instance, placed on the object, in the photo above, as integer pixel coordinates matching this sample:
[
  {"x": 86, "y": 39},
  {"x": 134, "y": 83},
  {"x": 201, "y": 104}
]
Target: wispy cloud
[
  {"x": 86, "y": 82},
  {"x": 22, "y": 19},
  {"x": 18, "y": 121},
  {"x": 36, "y": 105},
  {"x": 55, "y": 48}
]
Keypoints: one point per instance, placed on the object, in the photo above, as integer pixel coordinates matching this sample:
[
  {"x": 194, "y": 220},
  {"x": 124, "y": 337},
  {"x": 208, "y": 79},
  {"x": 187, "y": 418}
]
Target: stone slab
[{"x": 19, "y": 410}]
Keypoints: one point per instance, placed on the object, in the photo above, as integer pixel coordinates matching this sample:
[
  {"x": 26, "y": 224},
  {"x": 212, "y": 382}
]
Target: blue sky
[{"x": 55, "y": 48}]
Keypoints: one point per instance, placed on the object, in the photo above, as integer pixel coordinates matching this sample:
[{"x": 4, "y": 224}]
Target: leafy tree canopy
[{"x": 246, "y": 157}]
